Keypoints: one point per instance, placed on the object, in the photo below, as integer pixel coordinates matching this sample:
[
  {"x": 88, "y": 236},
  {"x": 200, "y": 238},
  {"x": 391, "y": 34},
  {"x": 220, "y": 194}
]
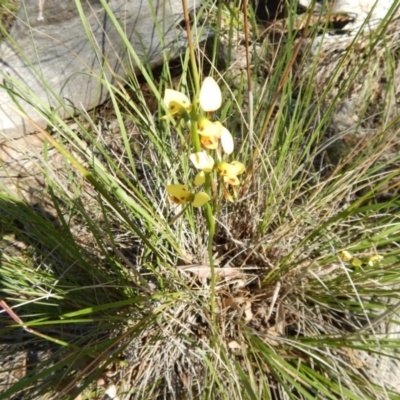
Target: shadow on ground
[{"x": 44, "y": 273}]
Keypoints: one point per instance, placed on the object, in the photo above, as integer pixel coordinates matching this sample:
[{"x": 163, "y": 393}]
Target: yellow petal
[
  {"x": 223, "y": 168},
  {"x": 199, "y": 179},
  {"x": 200, "y": 199},
  {"x": 179, "y": 193},
  {"x": 209, "y": 128},
  {"x": 176, "y": 101},
  {"x": 202, "y": 161},
  {"x": 210, "y": 95},
  {"x": 227, "y": 141},
  {"x": 239, "y": 167},
  {"x": 345, "y": 255}
]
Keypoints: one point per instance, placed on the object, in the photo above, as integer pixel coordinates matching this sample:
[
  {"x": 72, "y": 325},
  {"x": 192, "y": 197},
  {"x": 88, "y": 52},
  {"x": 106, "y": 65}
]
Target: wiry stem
[
  {"x": 248, "y": 70},
  {"x": 193, "y": 63}
]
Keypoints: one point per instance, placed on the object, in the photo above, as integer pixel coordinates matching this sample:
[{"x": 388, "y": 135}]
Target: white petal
[
  {"x": 227, "y": 141},
  {"x": 210, "y": 95}
]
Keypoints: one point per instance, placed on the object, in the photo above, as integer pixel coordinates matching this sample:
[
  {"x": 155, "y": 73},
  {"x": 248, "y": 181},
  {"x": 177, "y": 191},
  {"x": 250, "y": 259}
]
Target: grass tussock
[
  {"x": 115, "y": 290},
  {"x": 8, "y": 11}
]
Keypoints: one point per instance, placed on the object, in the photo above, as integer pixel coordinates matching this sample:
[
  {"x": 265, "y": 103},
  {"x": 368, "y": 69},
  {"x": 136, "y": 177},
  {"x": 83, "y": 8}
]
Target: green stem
[
  {"x": 209, "y": 214},
  {"x": 211, "y": 232},
  {"x": 208, "y": 210},
  {"x": 193, "y": 131}
]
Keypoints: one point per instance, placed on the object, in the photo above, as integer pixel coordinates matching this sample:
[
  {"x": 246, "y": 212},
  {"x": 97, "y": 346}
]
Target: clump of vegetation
[
  {"x": 8, "y": 12},
  {"x": 206, "y": 244}
]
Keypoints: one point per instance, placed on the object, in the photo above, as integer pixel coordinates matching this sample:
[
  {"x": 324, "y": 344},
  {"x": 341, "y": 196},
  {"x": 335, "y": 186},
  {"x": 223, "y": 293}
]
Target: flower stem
[
  {"x": 211, "y": 231},
  {"x": 193, "y": 131}
]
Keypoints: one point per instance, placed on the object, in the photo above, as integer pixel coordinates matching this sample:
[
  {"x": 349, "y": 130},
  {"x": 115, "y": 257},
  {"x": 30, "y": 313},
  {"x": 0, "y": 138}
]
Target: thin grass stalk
[{"x": 248, "y": 71}]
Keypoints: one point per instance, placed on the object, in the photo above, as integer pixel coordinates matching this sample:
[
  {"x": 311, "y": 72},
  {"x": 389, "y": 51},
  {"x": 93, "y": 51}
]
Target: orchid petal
[
  {"x": 227, "y": 141},
  {"x": 200, "y": 179},
  {"x": 230, "y": 169},
  {"x": 200, "y": 199},
  {"x": 202, "y": 161},
  {"x": 239, "y": 167},
  {"x": 232, "y": 180},
  {"x": 176, "y": 101},
  {"x": 209, "y": 128},
  {"x": 210, "y": 98},
  {"x": 179, "y": 193}
]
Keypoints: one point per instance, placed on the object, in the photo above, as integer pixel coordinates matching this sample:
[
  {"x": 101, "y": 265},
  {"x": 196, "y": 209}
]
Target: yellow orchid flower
[
  {"x": 345, "y": 255},
  {"x": 210, "y": 97},
  {"x": 202, "y": 161},
  {"x": 374, "y": 259},
  {"x": 230, "y": 171},
  {"x": 180, "y": 195},
  {"x": 176, "y": 102},
  {"x": 210, "y": 133}
]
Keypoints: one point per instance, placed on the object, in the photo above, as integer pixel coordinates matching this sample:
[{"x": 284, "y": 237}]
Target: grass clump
[
  {"x": 8, "y": 11},
  {"x": 285, "y": 287}
]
